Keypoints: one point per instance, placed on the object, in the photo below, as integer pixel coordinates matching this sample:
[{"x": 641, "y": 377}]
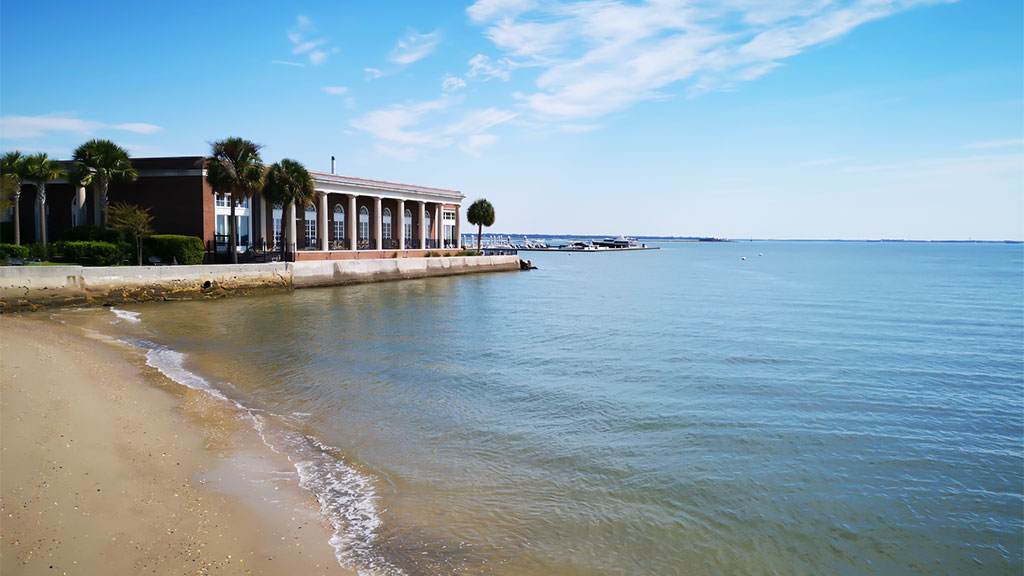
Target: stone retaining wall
[{"x": 33, "y": 287}]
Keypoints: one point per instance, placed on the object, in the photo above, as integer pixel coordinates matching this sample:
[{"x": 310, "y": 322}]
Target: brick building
[{"x": 348, "y": 218}]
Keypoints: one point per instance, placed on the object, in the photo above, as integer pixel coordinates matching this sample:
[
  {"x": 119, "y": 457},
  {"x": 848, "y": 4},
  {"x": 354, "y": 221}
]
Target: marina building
[{"x": 348, "y": 218}]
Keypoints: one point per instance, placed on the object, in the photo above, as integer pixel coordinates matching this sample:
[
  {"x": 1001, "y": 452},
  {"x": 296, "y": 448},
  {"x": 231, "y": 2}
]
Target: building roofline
[{"x": 382, "y": 184}]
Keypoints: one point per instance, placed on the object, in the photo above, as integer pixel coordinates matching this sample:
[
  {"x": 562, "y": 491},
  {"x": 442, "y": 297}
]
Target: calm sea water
[{"x": 818, "y": 408}]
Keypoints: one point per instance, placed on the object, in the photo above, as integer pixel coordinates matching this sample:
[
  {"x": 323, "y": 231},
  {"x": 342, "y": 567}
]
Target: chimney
[{"x": 332, "y": 164}]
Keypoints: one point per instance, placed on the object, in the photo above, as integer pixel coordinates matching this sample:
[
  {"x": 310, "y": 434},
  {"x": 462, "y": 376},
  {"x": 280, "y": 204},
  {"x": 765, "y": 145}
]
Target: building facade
[{"x": 348, "y": 218}]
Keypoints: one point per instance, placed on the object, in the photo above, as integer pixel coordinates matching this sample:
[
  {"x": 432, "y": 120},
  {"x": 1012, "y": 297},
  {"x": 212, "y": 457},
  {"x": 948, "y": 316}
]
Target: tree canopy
[
  {"x": 101, "y": 162},
  {"x": 481, "y": 213},
  {"x": 234, "y": 167}
]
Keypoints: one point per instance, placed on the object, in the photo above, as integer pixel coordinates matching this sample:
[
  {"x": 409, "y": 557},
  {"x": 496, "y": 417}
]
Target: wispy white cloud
[
  {"x": 415, "y": 47},
  {"x": 599, "y": 56},
  {"x": 372, "y": 73},
  {"x": 989, "y": 144},
  {"x": 406, "y": 131},
  {"x": 288, "y": 63},
  {"x": 18, "y": 127},
  {"x": 452, "y": 84},
  {"x": 315, "y": 50},
  {"x": 336, "y": 90},
  {"x": 481, "y": 66},
  {"x": 475, "y": 144},
  {"x": 820, "y": 162}
]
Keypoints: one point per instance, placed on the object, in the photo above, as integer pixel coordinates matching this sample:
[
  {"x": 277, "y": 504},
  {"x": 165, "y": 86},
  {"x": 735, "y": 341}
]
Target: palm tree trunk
[
  {"x": 41, "y": 191},
  {"x": 233, "y": 232},
  {"x": 479, "y": 234},
  {"x": 102, "y": 216},
  {"x": 17, "y": 216}
]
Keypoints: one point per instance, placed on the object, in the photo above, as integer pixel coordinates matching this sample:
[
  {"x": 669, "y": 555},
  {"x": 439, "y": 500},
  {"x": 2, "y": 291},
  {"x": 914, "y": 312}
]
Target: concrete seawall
[{"x": 33, "y": 287}]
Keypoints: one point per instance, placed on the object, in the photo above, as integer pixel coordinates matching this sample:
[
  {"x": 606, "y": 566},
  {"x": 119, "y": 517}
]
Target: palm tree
[
  {"x": 234, "y": 166},
  {"x": 12, "y": 168},
  {"x": 40, "y": 169},
  {"x": 101, "y": 162},
  {"x": 288, "y": 182},
  {"x": 480, "y": 213},
  {"x": 136, "y": 222}
]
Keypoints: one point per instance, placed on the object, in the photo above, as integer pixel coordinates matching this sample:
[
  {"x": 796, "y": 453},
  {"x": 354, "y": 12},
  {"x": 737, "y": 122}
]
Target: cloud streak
[
  {"x": 405, "y": 131},
  {"x": 599, "y": 56},
  {"x": 315, "y": 50},
  {"x": 19, "y": 127},
  {"x": 415, "y": 47}
]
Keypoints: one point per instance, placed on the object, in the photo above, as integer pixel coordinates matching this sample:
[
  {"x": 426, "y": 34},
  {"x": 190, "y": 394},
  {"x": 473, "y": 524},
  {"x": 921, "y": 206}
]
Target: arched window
[
  {"x": 386, "y": 226},
  {"x": 339, "y": 223},
  {"x": 311, "y": 226},
  {"x": 408, "y": 225},
  {"x": 426, "y": 223},
  {"x": 278, "y": 213},
  {"x": 364, "y": 223}
]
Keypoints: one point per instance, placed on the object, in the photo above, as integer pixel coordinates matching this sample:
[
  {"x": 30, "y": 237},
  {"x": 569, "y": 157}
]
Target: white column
[
  {"x": 401, "y": 224},
  {"x": 422, "y": 228},
  {"x": 352, "y": 222},
  {"x": 322, "y": 225},
  {"x": 292, "y": 244},
  {"x": 438, "y": 227},
  {"x": 458, "y": 227},
  {"x": 377, "y": 219},
  {"x": 79, "y": 209},
  {"x": 263, "y": 220}
]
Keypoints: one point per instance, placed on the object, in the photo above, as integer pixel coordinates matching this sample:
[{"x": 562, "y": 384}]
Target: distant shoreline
[{"x": 724, "y": 239}]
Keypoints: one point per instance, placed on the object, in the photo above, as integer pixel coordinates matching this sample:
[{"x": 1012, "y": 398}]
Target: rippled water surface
[{"x": 823, "y": 408}]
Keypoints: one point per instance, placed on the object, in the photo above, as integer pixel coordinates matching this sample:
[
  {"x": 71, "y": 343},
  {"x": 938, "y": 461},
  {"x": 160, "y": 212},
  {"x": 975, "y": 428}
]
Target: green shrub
[
  {"x": 94, "y": 234},
  {"x": 93, "y": 253},
  {"x": 173, "y": 247},
  {"x": 13, "y": 251},
  {"x": 39, "y": 252},
  {"x": 467, "y": 253}
]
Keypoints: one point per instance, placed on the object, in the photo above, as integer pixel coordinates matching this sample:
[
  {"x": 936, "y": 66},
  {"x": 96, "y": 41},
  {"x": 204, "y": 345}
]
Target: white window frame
[
  {"x": 364, "y": 223},
  {"x": 276, "y": 223},
  {"x": 310, "y": 227},
  {"x": 408, "y": 224},
  {"x": 385, "y": 224},
  {"x": 339, "y": 222}
]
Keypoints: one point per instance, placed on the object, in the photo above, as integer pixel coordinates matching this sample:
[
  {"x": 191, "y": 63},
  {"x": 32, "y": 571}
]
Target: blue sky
[{"x": 739, "y": 118}]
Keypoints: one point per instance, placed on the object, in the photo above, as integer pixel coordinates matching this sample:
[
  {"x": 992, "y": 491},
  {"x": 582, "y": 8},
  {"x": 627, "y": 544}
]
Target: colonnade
[{"x": 423, "y": 237}]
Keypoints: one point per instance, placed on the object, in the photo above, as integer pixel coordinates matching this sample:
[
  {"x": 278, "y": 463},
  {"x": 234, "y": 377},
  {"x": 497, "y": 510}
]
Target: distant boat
[{"x": 620, "y": 242}]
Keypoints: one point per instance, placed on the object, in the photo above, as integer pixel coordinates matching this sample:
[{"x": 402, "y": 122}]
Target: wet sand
[{"x": 107, "y": 467}]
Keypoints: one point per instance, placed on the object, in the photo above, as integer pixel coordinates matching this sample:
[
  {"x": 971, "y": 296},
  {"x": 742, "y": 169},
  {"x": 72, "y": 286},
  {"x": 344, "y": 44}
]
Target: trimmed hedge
[
  {"x": 13, "y": 251},
  {"x": 94, "y": 253},
  {"x": 95, "y": 234},
  {"x": 173, "y": 247}
]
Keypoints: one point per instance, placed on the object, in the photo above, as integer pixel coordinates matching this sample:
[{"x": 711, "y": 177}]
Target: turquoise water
[{"x": 823, "y": 408}]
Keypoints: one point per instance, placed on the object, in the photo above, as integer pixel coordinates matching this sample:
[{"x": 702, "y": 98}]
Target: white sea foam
[
  {"x": 126, "y": 315},
  {"x": 346, "y": 497}
]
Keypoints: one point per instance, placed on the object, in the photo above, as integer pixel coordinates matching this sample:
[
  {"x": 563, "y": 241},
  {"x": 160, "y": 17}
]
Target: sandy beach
[{"x": 107, "y": 467}]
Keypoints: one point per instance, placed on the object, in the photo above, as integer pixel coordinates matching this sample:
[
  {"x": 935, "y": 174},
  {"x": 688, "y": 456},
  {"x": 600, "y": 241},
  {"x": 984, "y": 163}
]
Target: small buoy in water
[
  {"x": 743, "y": 258},
  {"x": 760, "y": 254}
]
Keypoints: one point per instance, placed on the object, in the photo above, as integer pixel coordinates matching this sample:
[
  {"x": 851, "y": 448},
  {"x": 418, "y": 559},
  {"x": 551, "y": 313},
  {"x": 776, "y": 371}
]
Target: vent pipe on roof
[{"x": 332, "y": 164}]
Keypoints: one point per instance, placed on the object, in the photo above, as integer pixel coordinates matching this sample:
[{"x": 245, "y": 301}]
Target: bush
[
  {"x": 13, "y": 251},
  {"x": 94, "y": 234},
  {"x": 467, "y": 253},
  {"x": 39, "y": 252},
  {"x": 174, "y": 247},
  {"x": 93, "y": 253},
  {"x": 432, "y": 254}
]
